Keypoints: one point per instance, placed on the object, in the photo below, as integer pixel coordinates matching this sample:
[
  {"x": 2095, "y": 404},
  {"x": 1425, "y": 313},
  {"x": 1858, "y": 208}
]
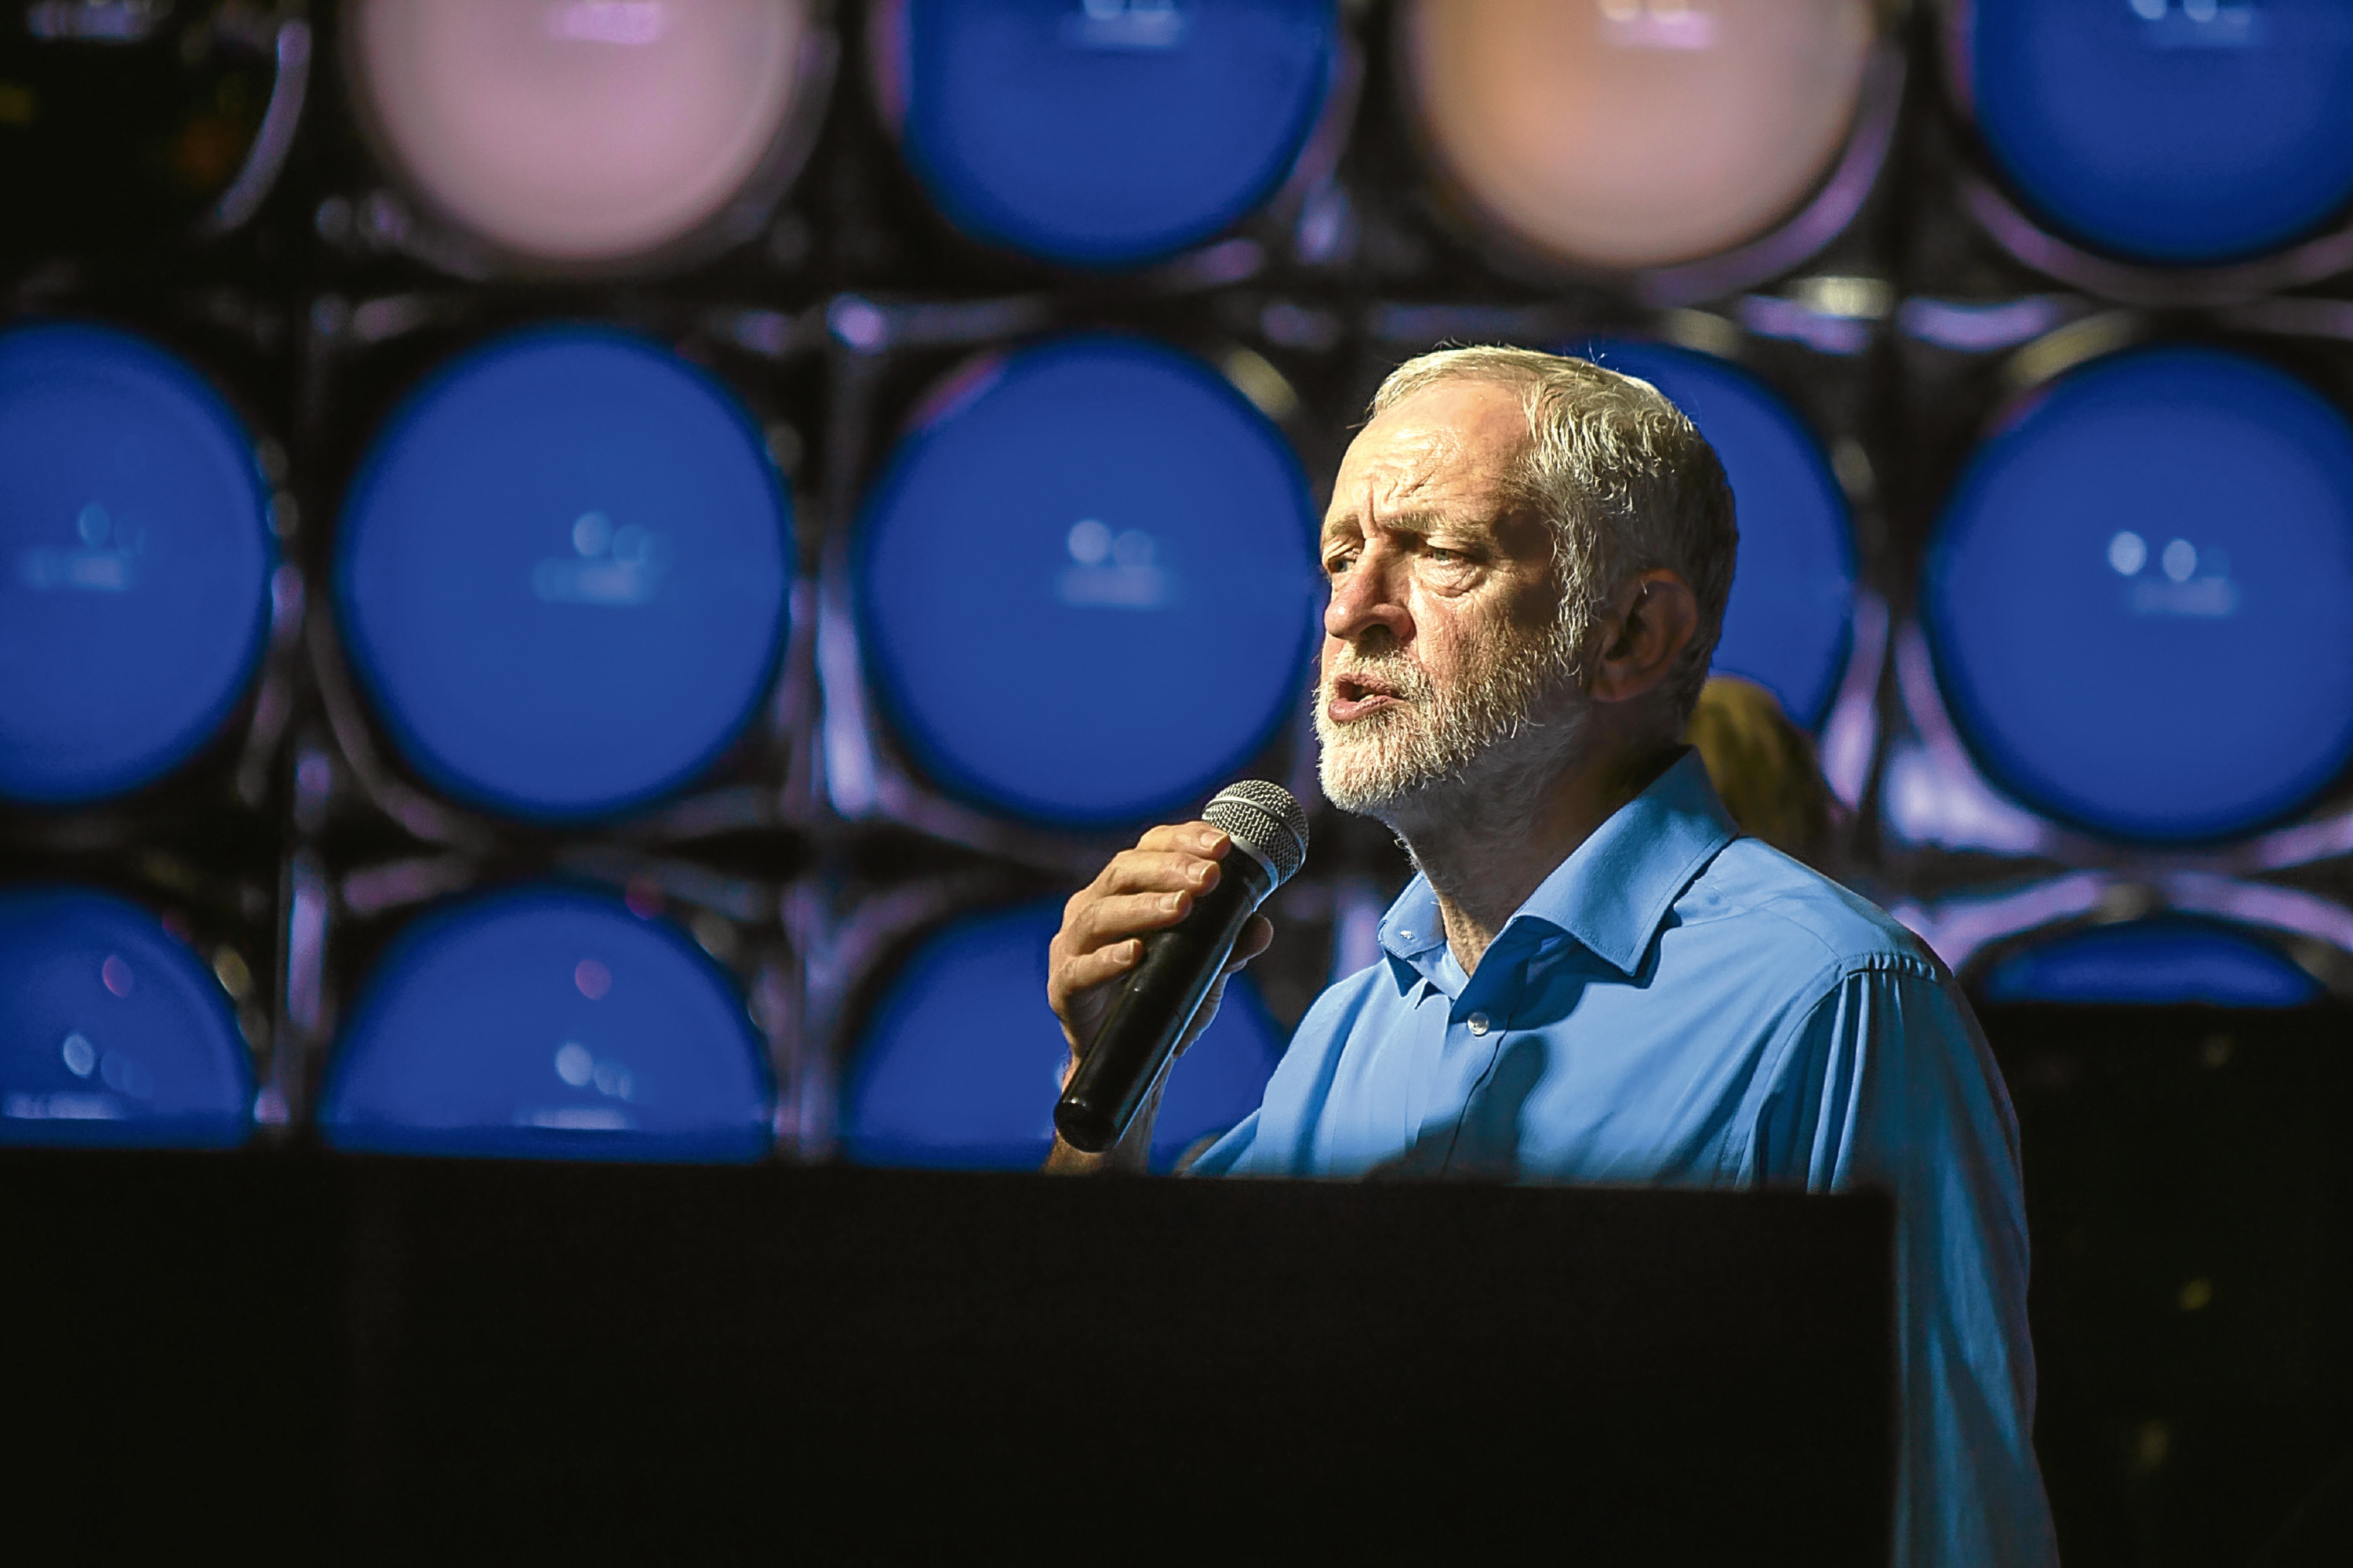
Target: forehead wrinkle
[
  {"x": 1415, "y": 462},
  {"x": 1411, "y": 452},
  {"x": 1403, "y": 489},
  {"x": 1422, "y": 474}
]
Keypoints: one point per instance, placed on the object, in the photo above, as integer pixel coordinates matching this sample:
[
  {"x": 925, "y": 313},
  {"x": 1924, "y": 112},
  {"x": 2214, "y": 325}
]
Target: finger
[
  {"x": 1083, "y": 936},
  {"x": 1155, "y": 871},
  {"x": 1086, "y": 970},
  {"x": 1191, "y": 838},
  {"x": 1108, "y": 920},
  {"x": 1256, "y": 937}
]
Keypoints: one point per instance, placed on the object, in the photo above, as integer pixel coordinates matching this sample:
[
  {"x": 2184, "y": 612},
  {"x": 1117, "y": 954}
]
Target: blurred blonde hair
[
  {"x": 1762, "y": 765},
  {"x": 1627, "y": 481}
]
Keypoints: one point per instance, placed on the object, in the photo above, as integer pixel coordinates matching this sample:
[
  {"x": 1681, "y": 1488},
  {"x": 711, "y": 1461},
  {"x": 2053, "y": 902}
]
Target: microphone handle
[{"x": 1156, "y": 1005}]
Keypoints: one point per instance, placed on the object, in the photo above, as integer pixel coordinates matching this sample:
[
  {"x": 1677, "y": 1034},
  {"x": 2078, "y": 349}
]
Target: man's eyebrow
[{"x": 1421, "y": 522}]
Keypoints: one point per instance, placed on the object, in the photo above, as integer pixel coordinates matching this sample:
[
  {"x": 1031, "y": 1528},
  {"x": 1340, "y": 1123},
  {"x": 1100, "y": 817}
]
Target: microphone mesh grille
[{"x": 1263, "y": 817}]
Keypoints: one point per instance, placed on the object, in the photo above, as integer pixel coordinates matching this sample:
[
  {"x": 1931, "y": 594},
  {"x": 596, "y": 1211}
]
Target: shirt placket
[{"x": 1477, "y": 1024}]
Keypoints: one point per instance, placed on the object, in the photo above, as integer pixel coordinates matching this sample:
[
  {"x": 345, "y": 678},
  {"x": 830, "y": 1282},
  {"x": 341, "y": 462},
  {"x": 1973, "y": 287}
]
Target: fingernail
[
  {"x": 1172, "y": 901},
  {"x": 1197, "y": 874},
  {"x": 1213, "y": 842}
]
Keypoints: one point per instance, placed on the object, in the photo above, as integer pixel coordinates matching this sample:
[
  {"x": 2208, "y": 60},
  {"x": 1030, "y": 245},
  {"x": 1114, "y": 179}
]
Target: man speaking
[{"x": 1594, "y": 978}]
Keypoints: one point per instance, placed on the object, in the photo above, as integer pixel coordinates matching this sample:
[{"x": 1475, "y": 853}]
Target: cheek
[
  {"x": 1446, "y": 624},
  {"x": 1448, "y": 642},
  {"x": 1463, "y": 640}
]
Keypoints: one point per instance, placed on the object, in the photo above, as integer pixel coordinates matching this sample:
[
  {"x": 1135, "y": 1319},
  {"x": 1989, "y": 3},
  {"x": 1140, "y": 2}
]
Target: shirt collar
[{"x": 1612, "y": 893}]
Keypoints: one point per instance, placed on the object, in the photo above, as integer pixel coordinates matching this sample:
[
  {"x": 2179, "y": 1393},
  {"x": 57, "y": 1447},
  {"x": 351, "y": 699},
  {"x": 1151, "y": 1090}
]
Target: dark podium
[{"x": 390, "y": 1360}]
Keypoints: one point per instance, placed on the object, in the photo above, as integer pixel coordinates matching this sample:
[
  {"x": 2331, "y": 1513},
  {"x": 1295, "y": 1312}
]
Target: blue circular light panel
[
  {"x": 963, "y": 1061},
  {"x": 1789, "y": 622},
  {"x": 544, "y": 1022},
  {"x": 562, "y": 572},
  {"x": 2140, "y": 595},
  {"x": 111, "y": 1033},
  {"x": 1104, "y": 132},
  {"x": 2162, "y": 961},
  {"x": 134, "y": 563},
  {"x": 1087, "y": 583},
  {"x": 2178, "y": 132}
]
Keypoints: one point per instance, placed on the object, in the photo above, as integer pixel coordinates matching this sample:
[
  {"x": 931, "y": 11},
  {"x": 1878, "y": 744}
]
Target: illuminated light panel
[
  {"x": 1632, "y": 133},
  {"x": 2165, "y": 960},
  {"x": 548, "y": 1023},
  {"x": 134, "y": 563},
  {"x": 2140, "y": 597},
  {"x": 2169, "y": 131},
  {"x": 1087, "y": 583},
  {"x": 111, "y": 1033},
  {"x": 1103, "y": 132},
  {"x": 1789, "y": 621},
  {"x": 577, "y": 130},
  {"x": 961, "y": 1062},
  {"x": 562, "y": 574}
]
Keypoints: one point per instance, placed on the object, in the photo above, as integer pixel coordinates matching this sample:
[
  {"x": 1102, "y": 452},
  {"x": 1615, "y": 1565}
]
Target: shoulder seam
[
  {"x": 1886, "y": 945},
  {"x": 1821, "y": 988}
]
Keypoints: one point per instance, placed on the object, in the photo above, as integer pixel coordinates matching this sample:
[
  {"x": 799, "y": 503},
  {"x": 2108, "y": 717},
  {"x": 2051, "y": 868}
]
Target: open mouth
[{"x": 1354, "y": 696}]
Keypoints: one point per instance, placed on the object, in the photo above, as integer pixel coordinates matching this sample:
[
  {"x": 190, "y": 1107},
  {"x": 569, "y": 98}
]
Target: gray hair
[{"x": 1628, "y": 482}]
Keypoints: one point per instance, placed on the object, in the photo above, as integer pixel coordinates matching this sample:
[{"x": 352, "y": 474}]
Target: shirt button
[{"x": 1478, "y": 1023}]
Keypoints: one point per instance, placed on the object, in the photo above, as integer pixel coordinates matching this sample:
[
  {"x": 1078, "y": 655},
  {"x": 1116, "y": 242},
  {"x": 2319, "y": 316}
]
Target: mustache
[{"x": 1389, "y": 674}]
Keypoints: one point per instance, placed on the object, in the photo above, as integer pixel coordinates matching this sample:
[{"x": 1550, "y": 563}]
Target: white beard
[{"x": 1479, "y": 755}]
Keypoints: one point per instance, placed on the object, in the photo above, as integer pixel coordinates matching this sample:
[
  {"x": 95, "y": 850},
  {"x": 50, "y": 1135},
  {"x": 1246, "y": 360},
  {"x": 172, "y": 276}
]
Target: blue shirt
[{"x": 1680, "y": 1005}]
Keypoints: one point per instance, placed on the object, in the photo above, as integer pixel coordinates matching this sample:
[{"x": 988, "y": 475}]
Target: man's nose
[{"x": 1367, "y": 595}]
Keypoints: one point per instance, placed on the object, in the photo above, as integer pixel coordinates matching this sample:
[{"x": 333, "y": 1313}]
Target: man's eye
[
  {"x": 1446, "y": 557},
  {"x": 1334, "y": 565}
]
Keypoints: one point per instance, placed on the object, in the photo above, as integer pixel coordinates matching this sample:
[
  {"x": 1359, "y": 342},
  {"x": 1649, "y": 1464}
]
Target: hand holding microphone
[{"x": 1139, "y": 965}]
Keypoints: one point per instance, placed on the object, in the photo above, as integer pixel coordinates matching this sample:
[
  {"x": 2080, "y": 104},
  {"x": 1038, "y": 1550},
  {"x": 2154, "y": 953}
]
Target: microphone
[{"x": 1157, "y": 1001}]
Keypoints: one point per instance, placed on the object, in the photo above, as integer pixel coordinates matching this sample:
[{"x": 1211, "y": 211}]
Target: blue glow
[
  {"x": 1087, "y": 583},
  {"x": 1108, "y": 132},
  {"x": 111, "y": 1033},
  {"x": 552, "y": 1024},
  {"x": 2169, "y": 131},
  {"x": 2163, "y": 960},
  {"x": 1789, "y": 621},
  {"x": 2140, "y": 597},
  {"x": 562, "y": 572},
  {"x": 961, "y": 1062},
  {"x": 134, "y": 563}
]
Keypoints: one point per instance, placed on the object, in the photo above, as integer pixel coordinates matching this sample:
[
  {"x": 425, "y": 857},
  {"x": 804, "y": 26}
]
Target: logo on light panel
[
  {"x": 2187, "y": 581},
  {"x": 1125, "y": 24},
  {"x": 624, "y": 22},
  {"x": 1113, "y": 571},
  {"x": 2199, "y": 24},
  {"x": 105, "y": 561},
  {"x": 580, "y": 1068},
  {"x": 1657, "y": 24},
  {"x": 608, "y": 566}
]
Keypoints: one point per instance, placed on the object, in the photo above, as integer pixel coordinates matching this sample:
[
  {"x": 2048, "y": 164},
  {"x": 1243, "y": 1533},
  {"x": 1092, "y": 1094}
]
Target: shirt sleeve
[
  {"x": 1230, "y": 1156},
  {"x": 1890, "y": 1083}
]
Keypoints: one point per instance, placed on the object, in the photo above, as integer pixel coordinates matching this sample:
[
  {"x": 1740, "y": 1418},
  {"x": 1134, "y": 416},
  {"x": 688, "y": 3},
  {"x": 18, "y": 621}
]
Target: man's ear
[{"x": 1652, "y": 620}]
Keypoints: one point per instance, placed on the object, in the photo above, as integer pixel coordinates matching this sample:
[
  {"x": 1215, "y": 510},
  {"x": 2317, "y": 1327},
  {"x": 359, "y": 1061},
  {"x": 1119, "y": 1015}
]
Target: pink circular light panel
[
  {"x": 1629, "y": 134},
  {"x": 577, "y": 130}
]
